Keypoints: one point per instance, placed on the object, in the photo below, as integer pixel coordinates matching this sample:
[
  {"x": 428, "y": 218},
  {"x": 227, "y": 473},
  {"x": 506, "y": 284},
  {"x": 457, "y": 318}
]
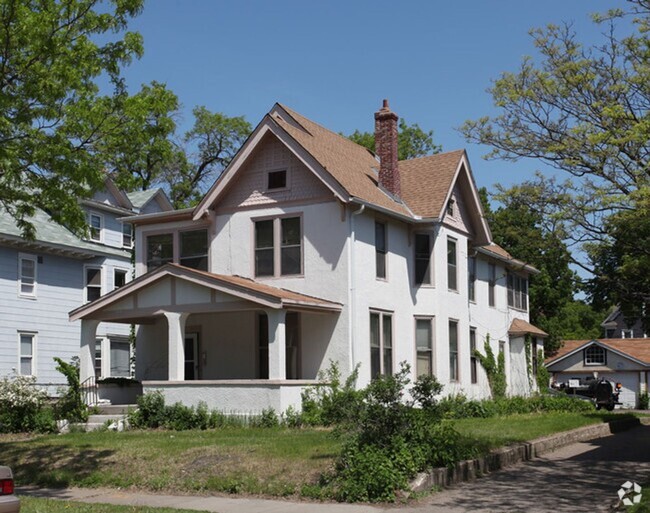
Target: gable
[
  {"x": 460, "y": 217},
  {"x": 615, "y": 361},
  {"x": 250, "y": 187}
]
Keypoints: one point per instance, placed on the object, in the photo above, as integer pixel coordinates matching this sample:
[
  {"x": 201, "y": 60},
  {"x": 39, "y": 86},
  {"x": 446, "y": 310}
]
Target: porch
[{"x": 238, "y": 345}]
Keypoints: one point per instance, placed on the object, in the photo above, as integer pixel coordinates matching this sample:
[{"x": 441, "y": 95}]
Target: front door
[{"x": 191, "y": 356}]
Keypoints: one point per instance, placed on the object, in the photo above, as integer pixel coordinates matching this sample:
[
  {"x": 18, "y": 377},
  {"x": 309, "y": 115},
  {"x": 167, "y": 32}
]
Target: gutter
[
  {"x": 402, "y": 217},
  {"x": 351, "y": 282},
  {"x": 513, "y": 263}
]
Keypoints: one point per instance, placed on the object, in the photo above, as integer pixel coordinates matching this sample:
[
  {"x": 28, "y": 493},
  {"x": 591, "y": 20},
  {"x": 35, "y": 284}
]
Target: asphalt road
[{"x": 582, "y": 477}]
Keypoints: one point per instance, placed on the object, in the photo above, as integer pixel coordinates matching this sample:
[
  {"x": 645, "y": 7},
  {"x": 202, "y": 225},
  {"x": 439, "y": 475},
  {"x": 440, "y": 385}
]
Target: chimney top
[{"x": 386, "y": 149}]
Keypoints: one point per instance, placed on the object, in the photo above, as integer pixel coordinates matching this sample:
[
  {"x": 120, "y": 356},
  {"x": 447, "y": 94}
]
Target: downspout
[{"x": 352, "y": 282}]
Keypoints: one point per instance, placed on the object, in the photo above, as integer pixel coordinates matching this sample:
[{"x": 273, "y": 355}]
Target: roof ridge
[{"x": 439, "y": 154}]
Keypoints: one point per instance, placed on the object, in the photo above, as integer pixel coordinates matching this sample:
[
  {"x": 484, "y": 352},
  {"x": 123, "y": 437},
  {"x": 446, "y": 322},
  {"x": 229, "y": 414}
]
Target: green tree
[
  {"x": 413, "y": 142},
  {"x": 584, "y": 111},
  {"x": 206, "y": 150},
  {"x": 140, "y": 147},
  {"x": 51, "y": 113}
]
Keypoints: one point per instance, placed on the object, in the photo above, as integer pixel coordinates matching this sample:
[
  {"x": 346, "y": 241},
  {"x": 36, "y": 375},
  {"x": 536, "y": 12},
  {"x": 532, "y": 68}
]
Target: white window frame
[
  {"x": 102, "y": 281},
  {"x": 473, "y": 361},
  {"x": 627, "y": 333},
  {"x": 472, "y": 266},
  {"x": 431, "y": 350},
  {"x": 589, "y": 360},
  {"x": 129, "y": 235},
  {"x": 126, "y": 276},
  {"x": 33, "y": 258},
  {"x": 492, "y": 285},
  {"x": 517, "y": 289},
  {"x": 382, "y": 347},
  {"x": 457, "y": 365},
  {"x": 452, "y": 240},
  {"x": 277, "y": 246},
  {"x": 101, "y": 226},
  {"x": 32, "y": 357}
]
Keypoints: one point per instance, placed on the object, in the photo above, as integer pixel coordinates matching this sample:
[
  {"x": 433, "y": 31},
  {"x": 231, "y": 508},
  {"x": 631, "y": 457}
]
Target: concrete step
[
  {"x": 115, "y": 409},
  {"x": 104, "y": 418}
]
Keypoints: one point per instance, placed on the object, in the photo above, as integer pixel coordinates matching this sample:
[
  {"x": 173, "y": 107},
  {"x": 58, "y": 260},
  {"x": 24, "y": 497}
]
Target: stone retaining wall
[{"x": 507, "y": 456}]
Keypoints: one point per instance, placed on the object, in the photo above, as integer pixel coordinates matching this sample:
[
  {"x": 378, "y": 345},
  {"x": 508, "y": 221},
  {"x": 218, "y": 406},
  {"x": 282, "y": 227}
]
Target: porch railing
[{"x": 89, "y": 391}]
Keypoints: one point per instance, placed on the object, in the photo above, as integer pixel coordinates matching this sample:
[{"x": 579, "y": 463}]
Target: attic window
[
  {"x": 595, "y": 355},
  {"x": 277, "y": 180},
  {"x": 450, "y": 207}
]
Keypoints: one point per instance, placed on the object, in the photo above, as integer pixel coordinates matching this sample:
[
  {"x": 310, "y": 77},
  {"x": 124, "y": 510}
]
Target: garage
[{"x": 624, "y": 361}]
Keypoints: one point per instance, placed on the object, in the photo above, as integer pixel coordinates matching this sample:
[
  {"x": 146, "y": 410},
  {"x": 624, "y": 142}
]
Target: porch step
[
  {"x": 103, "y": 418},
  {"x": 116, "y": 409}
]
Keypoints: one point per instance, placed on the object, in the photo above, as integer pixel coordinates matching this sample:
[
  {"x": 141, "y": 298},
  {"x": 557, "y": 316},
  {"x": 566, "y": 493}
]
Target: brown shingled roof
[
  {"x": 521, "y": 327},
  {"x": 351, "y": 165},
  {"x": 426, "y": 181},
  {"x": 637, "y": 348}
]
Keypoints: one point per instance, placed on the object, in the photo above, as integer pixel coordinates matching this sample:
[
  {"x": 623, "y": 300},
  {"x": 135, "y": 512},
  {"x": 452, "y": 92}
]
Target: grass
[
  {"x": 33, "y": 505},
  {"x": 499, "y": 431},
  {"x": 274, "y": 462}
]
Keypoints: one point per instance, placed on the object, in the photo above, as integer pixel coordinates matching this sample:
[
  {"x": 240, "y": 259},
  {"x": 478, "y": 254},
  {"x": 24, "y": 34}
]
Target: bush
[
  {"x": 644, "y": 401},
  {"x": 334, "y": 402},
  {"x": 150, "y": 412},
  {"x": 70, "y": 405},
  {"x": 22, "y": 406}
]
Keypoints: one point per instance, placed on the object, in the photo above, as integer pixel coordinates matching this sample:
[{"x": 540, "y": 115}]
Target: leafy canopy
[
  {"x": 412, "y": 142},
  {"x": 51, "y": 113}
]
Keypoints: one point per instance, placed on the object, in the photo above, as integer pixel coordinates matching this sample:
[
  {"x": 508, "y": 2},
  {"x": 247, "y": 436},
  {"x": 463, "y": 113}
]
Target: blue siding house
[{"x": 42, "y": 280}]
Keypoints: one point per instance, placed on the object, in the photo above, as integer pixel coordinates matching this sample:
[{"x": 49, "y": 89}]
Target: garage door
[{"x": 630, "y": 383}]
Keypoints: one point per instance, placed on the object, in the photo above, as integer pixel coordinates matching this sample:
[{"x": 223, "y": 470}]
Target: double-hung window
[
  {"x": 492, "y": 280},
  {"x": 119, "y": 278},
  {"x": 452, "y": 271},
  {"x": 422, "y": 259},
  {"x": 95, "y": 224},
  {"x": 517, "y": 292},
  {"x": 27, "y": 275},
  {"x": 424, "y": 346},
  {"x": 381, "y": 248},
  {"x": 127, "y": 235},
  {"x": 473, "y": 364},
  {"x": 278, "y": 247},
  {"x": 471, "y": 279},
  {"x": 26, "y": 343},
  {"x": 453, "y": 351},
  {"x": 381, "y": 344},
  {"x": 93, "y": 282},
  {"x": 120, "y": 357}
]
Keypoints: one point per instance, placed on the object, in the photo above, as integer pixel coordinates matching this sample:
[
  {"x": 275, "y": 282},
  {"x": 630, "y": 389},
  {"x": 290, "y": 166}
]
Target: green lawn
[
  {"x": 33, "y": 505},
  {"x": 276, "y": 462},
  {"x": 500, "y": 431}
]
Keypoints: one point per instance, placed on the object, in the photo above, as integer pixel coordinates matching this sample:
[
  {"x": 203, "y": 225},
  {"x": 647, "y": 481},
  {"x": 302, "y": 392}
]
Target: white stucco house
[
  {"x": 310, "y": 249},
  {"x": 42, "y": 279}
]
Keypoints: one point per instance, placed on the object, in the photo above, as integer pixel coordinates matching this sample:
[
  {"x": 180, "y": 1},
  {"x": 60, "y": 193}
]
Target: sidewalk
[{"x": 212, "y": 504}]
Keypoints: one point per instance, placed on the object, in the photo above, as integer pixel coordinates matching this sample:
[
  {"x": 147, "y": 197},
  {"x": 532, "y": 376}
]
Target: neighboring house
[
  {"x": 310, "y": 249},
  {"x": 625, "y": 361},
  {"x": 617, "y": 326},
  {"x": 41, "y": 280}
]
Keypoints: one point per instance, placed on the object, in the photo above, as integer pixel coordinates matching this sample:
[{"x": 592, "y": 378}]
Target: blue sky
[{"x": 334, "y": 61}]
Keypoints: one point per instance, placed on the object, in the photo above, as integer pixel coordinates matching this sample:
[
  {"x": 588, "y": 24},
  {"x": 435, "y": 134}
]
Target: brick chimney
[{"x": 386, "y": 148}]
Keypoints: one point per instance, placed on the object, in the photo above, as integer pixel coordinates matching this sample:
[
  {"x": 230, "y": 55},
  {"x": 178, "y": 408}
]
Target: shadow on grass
[{"x": 53, "y": 466}]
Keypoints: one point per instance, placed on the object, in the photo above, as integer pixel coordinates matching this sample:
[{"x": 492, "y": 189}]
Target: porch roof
[
  {"x": 520, "y": 327},
  {"x": 238, "y": 287}
]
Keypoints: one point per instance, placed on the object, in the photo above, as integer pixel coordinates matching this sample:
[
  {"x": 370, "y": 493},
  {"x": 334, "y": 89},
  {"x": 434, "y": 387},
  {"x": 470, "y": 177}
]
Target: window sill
[
  {"x": 517, "y": 309},
  {"x": 280, "y": 277},
  {"x": 25, "y": 296}
]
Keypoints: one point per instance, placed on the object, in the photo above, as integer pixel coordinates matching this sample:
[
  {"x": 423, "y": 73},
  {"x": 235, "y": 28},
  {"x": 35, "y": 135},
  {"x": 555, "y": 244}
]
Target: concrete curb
[{"x": 507, "y": 456}]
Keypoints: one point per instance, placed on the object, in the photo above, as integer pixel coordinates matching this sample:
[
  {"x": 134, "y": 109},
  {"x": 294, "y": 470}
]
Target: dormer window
[
  {"x": 595, "y": 355},
  {"x": 277, "y": 180}
]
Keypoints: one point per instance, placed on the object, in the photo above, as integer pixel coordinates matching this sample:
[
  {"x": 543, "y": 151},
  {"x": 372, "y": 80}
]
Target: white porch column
[
  {"x": 277, "y": 344},
  {"x": 176, "y": 341},
  {"x": 87, "y": 349}
]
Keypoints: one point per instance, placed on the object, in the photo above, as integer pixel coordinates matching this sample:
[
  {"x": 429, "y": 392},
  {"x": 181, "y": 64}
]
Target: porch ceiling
[{"x": 174, "y": 288}]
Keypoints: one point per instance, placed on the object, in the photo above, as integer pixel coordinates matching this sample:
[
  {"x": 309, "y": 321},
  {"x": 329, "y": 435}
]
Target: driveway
[{"x": 582, "y": 477}]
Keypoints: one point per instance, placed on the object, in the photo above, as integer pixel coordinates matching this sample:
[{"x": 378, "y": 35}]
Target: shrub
[
  {"x": 22, "y": 406},
  {"x": 150, "y": 412},
  {"x": 267, "y": 419},
  {"x": 70, "y": 405},
  {"x": 334, "y": 402},
  {"x": 644, "y": 401},
  {"x": 543, "y": 377}
]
